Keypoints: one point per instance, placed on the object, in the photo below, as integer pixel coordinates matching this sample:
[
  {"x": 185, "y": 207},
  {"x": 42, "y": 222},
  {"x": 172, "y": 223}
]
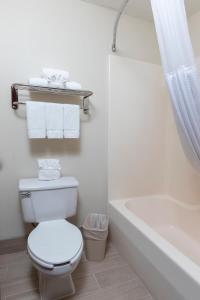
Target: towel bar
[{"x": 80, "y": 93}]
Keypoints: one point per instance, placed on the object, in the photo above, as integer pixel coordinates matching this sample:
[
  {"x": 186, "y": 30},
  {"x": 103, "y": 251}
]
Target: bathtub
[{"x": 160, "y": 238}]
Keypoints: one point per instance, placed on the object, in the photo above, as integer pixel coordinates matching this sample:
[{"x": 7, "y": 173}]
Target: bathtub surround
[
  {"x": 149, "y": 158},
  {"x": 137, "y": 141},
  {"x": 50, "y": 41},
  {"x": 146, "y": 158}
]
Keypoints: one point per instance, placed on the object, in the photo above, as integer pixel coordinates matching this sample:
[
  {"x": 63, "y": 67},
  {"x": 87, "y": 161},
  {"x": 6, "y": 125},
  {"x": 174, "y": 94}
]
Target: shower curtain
[{"x": 180, "y": 72}]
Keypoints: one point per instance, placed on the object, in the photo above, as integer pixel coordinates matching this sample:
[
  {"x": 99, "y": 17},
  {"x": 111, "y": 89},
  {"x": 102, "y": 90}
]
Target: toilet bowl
[{"x": 55, "y": 246}]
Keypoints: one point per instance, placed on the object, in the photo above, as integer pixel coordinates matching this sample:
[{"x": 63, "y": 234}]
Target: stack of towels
[
  {"x": 52, "y": 120},
  {"x": 56, "y": 79},
  {"x": 49, "y": 169}
]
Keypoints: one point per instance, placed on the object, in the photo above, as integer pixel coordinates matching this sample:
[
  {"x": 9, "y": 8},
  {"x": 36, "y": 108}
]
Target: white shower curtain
[{"x": 180, "y": 72}]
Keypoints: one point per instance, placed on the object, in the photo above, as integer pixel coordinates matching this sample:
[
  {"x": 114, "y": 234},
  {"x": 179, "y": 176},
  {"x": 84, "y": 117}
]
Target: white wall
[
  {"x": 72, "y": 35},
  {"x": 182, "y": 180},
  {"x": 145, "y": 153},
  {"x": 194, "y": 27},
  {"x": 137, "y": 129}
]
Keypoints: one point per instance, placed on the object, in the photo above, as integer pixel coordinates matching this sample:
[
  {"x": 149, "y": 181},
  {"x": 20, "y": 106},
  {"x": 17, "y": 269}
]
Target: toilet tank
[{"x": 48, "y": 200}]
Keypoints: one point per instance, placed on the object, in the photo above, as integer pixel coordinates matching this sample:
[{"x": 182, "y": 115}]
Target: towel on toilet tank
[
  {"x": 49, "y": 169},
  {"x": 49, "y": 164},
  {"x": 49, "y": 174}
]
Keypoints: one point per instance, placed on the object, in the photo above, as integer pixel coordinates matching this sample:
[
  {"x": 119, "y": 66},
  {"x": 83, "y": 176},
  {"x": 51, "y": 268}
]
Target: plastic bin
[{"x": 95, "y": 233}]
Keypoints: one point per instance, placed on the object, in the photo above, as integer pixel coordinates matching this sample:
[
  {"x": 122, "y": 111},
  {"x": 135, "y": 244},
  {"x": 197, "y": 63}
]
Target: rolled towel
[
  {"x": 49, "y": 164},
  {"x": 55, "y": 75},
  {"x": 73, "y": 85},
  {"x": 49, "y": 174},
  {"x": 38, "y": 81}
]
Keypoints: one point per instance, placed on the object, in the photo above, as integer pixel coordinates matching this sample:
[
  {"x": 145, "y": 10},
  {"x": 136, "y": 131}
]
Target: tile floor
[{"x": 110, "y": 279}]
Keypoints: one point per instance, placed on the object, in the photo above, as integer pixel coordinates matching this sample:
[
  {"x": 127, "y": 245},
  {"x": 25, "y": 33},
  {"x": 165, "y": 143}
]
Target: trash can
[{"x": 95, "y": 233}]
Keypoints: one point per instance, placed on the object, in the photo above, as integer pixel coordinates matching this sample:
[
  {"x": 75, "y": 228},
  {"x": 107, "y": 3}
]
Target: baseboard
[{"x": 12, "y": 245}]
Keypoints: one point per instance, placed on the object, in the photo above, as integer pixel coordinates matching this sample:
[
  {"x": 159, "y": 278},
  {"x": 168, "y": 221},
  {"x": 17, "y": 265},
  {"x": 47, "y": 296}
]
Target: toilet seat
[{"x": 55, "y": 243}]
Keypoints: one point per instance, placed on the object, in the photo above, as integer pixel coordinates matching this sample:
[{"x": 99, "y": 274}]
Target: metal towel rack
[{"x": 68, "y": 92}]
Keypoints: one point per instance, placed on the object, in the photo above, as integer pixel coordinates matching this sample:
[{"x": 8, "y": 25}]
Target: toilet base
[{"x": 55, "y": 287}]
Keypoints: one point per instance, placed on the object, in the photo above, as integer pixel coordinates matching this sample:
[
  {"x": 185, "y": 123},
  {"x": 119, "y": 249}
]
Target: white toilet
[{"x": 55, "y": 246}]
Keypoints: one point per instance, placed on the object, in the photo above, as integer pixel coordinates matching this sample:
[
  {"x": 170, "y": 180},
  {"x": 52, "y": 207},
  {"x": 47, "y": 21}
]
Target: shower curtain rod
[{"x": 121, "y": 11}]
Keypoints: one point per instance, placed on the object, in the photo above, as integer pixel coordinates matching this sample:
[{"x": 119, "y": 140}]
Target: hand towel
[
  {"x": 56, "y": 84},
  {"x": 38, "y": 81},
  {"x": 36, "y": 119},
  {"x": 55, "y": 75},
  {"x": 49, "y": 174},
  {"x": 71, "y": 121},
  {"x": 49, "y": 164},
  {"x": 73, "y": 85},
  {"x": 54, "y": 120}
]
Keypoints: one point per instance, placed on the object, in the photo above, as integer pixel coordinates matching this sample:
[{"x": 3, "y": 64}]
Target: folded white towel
[
  {"x": 71, "y": 121},
  {"x": 55, "y": 75},
  {"x": 38, "y": 81},
  {"x": 57, "y": 84},
  {"x": 36, "y": 119},
  {"x": 54, "y": 120},
  {"x": 73, "y": 85},
  {"x": 49, "y": 174},
  {"x": 49, "y": 164}
]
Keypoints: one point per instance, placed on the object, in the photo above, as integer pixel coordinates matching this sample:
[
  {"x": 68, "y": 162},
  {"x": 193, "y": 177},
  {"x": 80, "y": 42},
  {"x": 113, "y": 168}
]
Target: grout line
[{"x": 93, "y": 274}]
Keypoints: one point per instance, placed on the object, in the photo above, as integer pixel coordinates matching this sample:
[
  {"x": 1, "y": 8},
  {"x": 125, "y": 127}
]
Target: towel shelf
[{"x": 80, "y": 93}]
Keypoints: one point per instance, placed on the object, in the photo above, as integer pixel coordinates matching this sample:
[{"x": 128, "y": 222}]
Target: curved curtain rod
[{"x": 121, "y": 11}]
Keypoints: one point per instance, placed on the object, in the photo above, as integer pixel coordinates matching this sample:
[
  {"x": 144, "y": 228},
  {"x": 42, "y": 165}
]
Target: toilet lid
[{"x": 55, "y": 242}]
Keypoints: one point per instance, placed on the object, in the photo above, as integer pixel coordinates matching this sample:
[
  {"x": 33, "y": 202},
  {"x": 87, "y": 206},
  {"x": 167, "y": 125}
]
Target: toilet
[{"x": 55, "y": 246}]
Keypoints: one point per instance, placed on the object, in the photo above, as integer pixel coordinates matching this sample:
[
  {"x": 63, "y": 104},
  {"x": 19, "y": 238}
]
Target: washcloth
[
  {"x": 71, "y": 121},
  {"x": 55, "y": 75},
  {"x": 38, "y": 81},
  {"x": 36, "y": 119},
  {"x": 73, "y": 85},
  {"x": 54, "y": 120},
  {"x": 49, "y": 164}
]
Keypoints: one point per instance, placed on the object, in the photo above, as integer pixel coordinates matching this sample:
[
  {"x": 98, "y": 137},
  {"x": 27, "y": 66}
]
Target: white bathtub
[{"x": 160, "y": 237}]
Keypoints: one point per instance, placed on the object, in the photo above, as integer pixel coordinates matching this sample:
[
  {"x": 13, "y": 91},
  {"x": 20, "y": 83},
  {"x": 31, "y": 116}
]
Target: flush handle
[{"x": 25, "y": 194}]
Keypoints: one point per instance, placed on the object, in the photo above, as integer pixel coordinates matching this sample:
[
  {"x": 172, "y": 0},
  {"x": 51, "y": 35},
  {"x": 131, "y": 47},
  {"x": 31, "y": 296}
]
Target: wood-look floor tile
[
  {"x": 18, "y": 257},
  {"x": 115, "y": 276},
  {"x": 85, "y": 285},
  {"x": 110, "y": 279},
  {"x": 90, "y": 267},
  {"x": 32, "y": 295},
  {"x": 18, "y": 287},
  {"x": 19, "y": 271},
  {"x": 3, "y": 270},
  {"x": 111, "y": 250},
  {"x": 130, "y": 290}
]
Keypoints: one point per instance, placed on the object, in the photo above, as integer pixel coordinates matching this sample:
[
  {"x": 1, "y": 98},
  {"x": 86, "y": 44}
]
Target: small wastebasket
[{"x": 95, "y": 233}]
